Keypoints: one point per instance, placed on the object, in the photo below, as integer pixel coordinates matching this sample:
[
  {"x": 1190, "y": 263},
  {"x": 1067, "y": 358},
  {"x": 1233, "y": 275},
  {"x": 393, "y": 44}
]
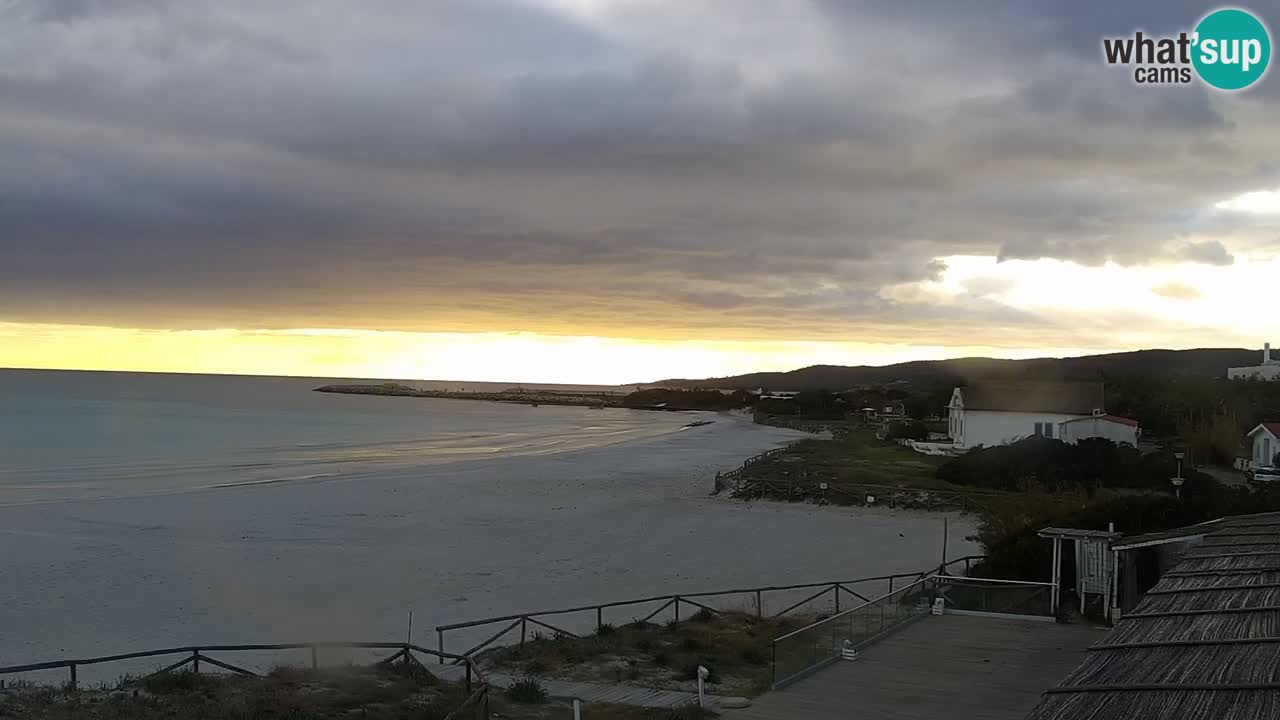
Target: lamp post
[{"x": 1178, "y": 480}]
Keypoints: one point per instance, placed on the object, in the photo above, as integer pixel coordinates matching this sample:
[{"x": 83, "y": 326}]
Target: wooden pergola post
[{"x": 1057, "y": 573}]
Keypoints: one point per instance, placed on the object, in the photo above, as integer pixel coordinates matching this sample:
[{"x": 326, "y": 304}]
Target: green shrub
[
  {"x": 914, "y": 430},
  {"x": 688, "y": 642},
  {"x": 703, "y": 616},
  {"x": 661, "y": 659},
  {"x": 527, "y": 689},
  {"x": 605, "y": 630},
  {"x": 753, "y": 656},
  {"x": 644, "y": 644},
  {"x": 182, "y": 681}
]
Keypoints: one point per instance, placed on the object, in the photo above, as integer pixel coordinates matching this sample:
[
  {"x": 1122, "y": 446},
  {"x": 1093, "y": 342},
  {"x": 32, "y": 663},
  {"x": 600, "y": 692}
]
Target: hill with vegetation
[{"x": 1200, "y": 363}]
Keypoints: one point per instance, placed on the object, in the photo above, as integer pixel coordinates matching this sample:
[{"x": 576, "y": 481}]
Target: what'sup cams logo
[{"x": 1229, "y": 49}]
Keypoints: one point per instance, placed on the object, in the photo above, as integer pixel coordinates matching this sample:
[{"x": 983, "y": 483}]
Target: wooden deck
[{"x": 940, "y": 667}]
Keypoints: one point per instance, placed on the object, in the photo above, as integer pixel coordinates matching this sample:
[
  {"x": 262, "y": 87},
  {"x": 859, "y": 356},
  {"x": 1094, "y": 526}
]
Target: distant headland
[
  {"x": 510, "y": 395},
  {"x": 650, "y": 399}
]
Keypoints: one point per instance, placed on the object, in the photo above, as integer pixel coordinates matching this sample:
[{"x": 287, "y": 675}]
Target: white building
[
  {"x": 1268, "y": 370},
  {"x": 1264, "y": 443},
  {"x": 1119, "y": 430},
  {"x": 1003, "y": 412}
]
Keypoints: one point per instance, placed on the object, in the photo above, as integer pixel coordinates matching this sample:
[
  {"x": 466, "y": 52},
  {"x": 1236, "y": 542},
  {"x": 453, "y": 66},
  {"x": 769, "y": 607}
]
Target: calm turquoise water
[{"x": 77, "y": 435}]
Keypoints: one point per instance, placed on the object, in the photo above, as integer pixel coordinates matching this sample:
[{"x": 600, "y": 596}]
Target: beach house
[
  {"x": 1005, "y": 411},
  {"x": 1264, "y": 444}
]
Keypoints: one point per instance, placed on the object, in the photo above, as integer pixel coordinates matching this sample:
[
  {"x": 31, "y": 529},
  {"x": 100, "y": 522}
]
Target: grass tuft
[
  {"x": 703, "y": 616},
  {"x": 528, "y": 690}
]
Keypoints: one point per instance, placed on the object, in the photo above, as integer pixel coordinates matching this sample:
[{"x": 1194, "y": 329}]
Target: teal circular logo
[{"x": 1232, "y": 49}]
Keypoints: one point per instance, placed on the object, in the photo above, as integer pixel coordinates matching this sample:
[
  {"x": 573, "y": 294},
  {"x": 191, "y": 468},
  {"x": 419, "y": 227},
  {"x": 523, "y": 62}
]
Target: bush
[
  {"x": 914, "y": 430},
  {"x": 527, "y": 689},
  {"x": 605, "y": 630},
  {"x": 703, "y": 616},
  {"x": 1055, "y": 466},
  {"x": 644, "y": 644},
  {"x": 168, "y": 683},
  {"x": 661, "y": 659},
  {"x": 753, "y": 656},
  {"x": 1015, "y": 551},
  {"x": 690, "y": 643}
]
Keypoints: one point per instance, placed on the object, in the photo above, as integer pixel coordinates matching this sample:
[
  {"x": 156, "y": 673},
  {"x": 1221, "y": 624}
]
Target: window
[{"x": 1044, "y": 429}]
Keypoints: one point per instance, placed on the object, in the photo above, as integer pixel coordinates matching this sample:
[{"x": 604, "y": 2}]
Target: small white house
[
  {"x": 1264, "y": 443},
  {"x": 1003, "y": 412},
  {"x": 1268, "y": 370}
]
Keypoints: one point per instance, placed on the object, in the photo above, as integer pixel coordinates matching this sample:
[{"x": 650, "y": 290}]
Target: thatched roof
[{"x": 1204, "y": 643}]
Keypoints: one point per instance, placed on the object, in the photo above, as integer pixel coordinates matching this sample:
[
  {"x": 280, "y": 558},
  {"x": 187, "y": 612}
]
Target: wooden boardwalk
[{"x": 979, "y": 668}]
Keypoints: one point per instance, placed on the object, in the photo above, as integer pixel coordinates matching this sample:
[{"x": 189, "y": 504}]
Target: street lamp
[{"x": 1177, "y": 481}]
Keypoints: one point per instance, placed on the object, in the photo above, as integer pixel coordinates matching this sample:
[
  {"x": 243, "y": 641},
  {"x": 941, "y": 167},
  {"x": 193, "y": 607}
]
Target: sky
[{"x": 616, "y": 191}]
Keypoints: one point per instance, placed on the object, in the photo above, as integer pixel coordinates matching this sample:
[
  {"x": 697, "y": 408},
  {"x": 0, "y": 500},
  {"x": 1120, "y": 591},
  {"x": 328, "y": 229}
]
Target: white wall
[
  {"x": 1264, "y": 448},
  {"x": 1261, "y": 372},
  {"x": 1073, "y": 432},
  {"x": 990, "y": 427}
]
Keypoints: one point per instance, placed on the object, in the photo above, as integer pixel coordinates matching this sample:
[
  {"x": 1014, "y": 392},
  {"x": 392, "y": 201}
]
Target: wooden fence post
[
  {"x": 440, "y": 644},
  {"x": 314, "y": 661},
  {"x": 73, "y": 676},
  {"x": 523, "y": 625},
  {"x": 599, "y": 618},
  {"x": 195, "y": 661},
  {"x": 759, "y": 605},
  {"x": 836, "y": 588}
]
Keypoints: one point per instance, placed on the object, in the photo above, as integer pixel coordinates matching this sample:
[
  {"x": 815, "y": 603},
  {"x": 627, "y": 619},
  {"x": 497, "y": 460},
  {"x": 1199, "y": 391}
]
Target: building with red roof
[{"x": 1264, "y": 444}]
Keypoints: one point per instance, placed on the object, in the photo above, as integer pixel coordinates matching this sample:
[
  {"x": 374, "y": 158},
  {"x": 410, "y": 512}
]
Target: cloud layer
[{"x": 721, "y": 168}]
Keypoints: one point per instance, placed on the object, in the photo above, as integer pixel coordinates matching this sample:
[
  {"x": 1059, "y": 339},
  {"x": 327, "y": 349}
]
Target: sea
[
  {"x": 92, "y": 435},
  {"x": 152, "y": 510}
]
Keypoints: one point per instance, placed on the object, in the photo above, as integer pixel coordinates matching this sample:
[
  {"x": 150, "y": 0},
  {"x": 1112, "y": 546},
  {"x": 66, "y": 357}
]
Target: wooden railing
[
  {"x": 832, "y": 590},
  {"x": 732, "y": 479},
  {"x": 197, "y": 654}
]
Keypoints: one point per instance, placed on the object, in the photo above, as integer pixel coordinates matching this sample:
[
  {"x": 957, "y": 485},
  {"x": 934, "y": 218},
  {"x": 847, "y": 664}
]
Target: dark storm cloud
[{"x": 475, "y": 164}]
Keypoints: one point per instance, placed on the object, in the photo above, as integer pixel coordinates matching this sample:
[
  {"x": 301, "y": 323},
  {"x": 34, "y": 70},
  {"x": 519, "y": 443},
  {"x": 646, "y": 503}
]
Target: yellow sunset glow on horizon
[
  {"x": 1058, "y": 309},
  {"x": 492, "y": 357}
]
